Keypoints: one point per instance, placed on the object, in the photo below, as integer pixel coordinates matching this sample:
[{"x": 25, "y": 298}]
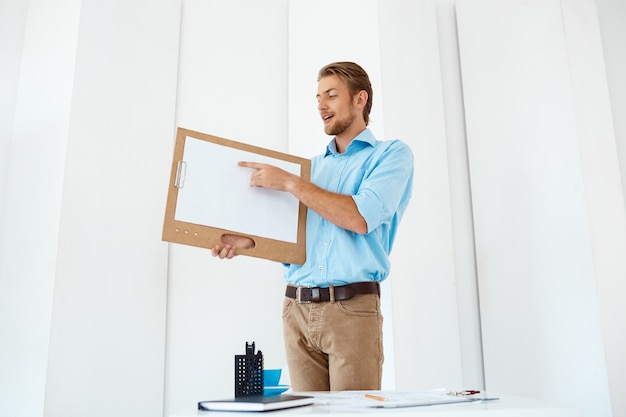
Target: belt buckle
[{"x": 299, "y": 297}]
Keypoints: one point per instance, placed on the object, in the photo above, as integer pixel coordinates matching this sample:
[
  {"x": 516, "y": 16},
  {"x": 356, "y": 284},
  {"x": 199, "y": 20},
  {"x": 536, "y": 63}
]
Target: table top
[{"x": 504, "y": 406}]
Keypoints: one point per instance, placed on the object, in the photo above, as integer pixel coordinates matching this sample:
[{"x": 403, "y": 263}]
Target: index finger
[{"x": 254, "y": 165}]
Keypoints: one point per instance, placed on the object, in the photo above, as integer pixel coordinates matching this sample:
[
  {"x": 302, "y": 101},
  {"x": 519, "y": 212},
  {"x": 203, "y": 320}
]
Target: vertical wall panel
[
  {"x": 612, "y": 15},
  {"x": 460, "y": 197},
  {"x": 13, "y": 14},
  {"x": 538, "y": 292},
  {"x": 107, "y": 338},
  {"x": 603, "y": 189},
  {"x": 35, "y": 146},
  {"x": 426, "y": 316},
  {"x": 233, "y": 84}
]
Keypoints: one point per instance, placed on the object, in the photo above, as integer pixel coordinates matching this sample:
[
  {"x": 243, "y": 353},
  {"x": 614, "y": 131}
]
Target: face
[{"x": 335, "y": 105}]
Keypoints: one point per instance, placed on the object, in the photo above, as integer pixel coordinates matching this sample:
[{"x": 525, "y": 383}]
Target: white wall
[
  {"x": 232, "y": 84},
  {"x": 423, "y": 278},
  {"x": 83, "y": 312},
  {"x": 12, "y": 26},
  {"x": 550, "y": 224},
  {"x": 34, "y": 139},
  {"x": 603, "y": 189},
  {"x": 611, "y": 15},
  {"x": 108, "y": 321},
  {"x": 82, "y": 268}
]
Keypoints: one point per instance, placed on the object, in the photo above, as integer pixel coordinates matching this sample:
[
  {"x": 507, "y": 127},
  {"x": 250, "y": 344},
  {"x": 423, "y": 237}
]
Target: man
[{"x": 359, "y": 190}]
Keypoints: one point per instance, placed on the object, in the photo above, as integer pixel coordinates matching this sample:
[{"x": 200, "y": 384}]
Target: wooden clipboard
[{"x": 209, "y": 196}]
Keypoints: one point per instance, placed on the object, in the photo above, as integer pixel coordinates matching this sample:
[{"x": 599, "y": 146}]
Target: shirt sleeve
[{"x": 387, "y": 185}]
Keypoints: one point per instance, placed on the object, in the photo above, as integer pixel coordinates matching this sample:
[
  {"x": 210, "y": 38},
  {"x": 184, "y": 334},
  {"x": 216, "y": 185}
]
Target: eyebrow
[{"x": 326, "y": 92}]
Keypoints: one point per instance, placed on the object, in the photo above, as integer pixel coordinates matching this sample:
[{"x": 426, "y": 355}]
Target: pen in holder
[{"x": 249, "y": 373}]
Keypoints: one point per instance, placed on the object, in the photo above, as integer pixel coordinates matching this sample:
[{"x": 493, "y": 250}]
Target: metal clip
[{"x": 181, "y": 172}]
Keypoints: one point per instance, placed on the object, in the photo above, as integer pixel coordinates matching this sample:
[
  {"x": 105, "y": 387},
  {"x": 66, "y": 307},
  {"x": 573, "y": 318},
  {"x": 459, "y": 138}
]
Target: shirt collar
[{"x": 366, "y": 137}]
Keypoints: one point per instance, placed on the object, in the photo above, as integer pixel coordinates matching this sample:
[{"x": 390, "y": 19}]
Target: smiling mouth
[{"x": 326, "y": 118}]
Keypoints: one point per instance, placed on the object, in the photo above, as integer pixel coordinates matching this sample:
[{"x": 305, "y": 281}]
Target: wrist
[{"x": 292, "y": 184}]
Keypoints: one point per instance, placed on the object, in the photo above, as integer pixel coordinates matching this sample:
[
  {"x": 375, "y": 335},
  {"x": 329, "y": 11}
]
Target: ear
[{"x": 360, "y": 99}]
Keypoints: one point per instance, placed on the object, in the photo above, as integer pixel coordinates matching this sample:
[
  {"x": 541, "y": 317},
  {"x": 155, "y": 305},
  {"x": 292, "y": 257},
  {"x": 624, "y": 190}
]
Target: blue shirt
[{"x": 379, "y": 177}]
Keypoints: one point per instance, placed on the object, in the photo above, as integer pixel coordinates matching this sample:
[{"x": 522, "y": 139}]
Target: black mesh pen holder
[{"x": 249, "y": 373}]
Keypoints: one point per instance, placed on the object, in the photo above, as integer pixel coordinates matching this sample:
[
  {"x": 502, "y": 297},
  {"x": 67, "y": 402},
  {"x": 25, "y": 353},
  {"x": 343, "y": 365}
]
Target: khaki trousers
[{"x": 334, "y": 346}]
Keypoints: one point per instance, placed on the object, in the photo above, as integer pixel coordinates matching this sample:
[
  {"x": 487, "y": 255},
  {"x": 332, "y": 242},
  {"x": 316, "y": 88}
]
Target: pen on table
[
  {"x": 464, "y": 393},
  {"x": 375, "y": 397}
]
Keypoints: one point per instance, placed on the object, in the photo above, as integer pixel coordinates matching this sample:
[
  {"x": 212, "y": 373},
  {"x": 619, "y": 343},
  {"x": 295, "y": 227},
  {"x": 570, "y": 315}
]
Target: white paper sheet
[{"x": 216, "y": 192}]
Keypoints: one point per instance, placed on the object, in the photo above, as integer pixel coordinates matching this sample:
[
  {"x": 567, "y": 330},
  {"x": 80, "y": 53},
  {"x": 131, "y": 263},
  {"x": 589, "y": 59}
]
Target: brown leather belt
[{"x": 342, "y": 292}]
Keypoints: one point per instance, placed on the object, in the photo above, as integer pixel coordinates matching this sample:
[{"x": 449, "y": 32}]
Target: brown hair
[{"x": 355, "y": 78}]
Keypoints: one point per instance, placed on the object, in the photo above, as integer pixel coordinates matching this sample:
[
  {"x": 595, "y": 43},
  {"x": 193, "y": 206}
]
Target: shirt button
[{"x": 320, "y": 267}]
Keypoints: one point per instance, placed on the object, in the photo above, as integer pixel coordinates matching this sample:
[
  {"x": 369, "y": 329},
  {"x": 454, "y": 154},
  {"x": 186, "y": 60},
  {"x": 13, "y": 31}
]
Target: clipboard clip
[{"x": 181, "y": 172}]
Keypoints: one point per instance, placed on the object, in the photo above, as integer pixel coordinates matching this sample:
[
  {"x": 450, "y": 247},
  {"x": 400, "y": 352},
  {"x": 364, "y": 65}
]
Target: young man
[{"x": 359, "y": 190}]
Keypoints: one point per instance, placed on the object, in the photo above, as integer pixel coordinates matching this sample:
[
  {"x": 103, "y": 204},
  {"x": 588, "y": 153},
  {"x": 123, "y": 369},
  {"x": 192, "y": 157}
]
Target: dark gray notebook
[{"x": 256, "y": 403}]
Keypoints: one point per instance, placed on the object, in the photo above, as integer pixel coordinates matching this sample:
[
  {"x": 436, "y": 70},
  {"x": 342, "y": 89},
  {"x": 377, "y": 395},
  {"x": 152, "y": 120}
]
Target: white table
[{"x": 506, "y": 406}]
